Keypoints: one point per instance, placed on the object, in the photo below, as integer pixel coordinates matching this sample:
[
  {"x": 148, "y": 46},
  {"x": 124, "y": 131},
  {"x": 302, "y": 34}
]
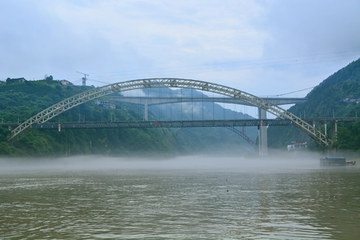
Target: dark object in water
[
  {"x": 350, "y": 163},
  {"x": 333, "y": 161},
  {"x": 336, "y": 161}
]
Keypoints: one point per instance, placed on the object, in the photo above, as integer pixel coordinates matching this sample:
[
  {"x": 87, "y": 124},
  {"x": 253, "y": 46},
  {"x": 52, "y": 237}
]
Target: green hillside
[
  {"x": 336, "y": 96},
  {"x": 21, "y": 99}
]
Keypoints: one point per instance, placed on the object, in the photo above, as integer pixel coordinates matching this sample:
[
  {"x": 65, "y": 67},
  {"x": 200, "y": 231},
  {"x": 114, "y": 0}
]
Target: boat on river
[{"x": 336, "y": 161}]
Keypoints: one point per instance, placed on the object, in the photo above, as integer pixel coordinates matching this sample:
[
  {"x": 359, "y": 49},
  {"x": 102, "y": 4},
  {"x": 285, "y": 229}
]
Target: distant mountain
[
  {"x": 202, "y": 140},
  {"x": 336, "y": 96}
]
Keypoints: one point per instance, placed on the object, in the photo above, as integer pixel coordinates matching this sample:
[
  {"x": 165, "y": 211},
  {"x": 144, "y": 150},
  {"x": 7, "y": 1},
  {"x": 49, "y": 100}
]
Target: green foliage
[
  {"x": 328, "y": 99},
  {"x": 348, "y": 137},
  {"x": 21, "y": 100}
]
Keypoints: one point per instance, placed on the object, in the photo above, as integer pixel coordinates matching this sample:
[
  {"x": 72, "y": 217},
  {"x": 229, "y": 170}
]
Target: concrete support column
[
  {"x": 334, "y": 131},
  {"x": 263, "y": 144},
  {"x": 314, "y": 126},
  {"x": 333, "y": 134},
  {"x": 146, "y": 111}
]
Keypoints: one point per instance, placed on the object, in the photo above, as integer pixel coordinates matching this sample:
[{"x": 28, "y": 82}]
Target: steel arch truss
[
  {"x": 243, "y": 135},
  {"x": 92, "y": 94}
]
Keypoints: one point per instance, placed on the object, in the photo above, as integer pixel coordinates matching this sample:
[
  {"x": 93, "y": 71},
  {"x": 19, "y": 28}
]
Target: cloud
[
  {"x": 307, "y": 27},
  {"x": 262, "y": 47}
]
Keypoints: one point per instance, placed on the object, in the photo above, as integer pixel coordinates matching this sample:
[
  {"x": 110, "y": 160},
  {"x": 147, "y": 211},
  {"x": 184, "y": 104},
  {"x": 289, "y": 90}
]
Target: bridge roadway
[
  {"x": 183, "y": 124},
  {"x": 165, "y": 124},
  {"x": 164, "y": 100}
]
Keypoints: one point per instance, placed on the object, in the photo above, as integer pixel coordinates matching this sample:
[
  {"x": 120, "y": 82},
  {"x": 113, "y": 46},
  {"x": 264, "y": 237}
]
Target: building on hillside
[
  {"x": 105, "y": 104},
  {"x": 15, "y": 80},
  {"x": 65, "y": 82},
  {"x": 19, "y": 79},
  {"x": 350, "y": 100},
  {"x": 294, "y": 146}
]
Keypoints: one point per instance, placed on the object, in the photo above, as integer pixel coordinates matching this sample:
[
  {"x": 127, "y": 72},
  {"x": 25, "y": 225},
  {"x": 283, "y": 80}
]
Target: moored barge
[{"x": 336, "y": 161}]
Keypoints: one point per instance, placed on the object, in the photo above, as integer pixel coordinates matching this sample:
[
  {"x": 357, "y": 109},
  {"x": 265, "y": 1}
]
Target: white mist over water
[{"x": 202, "y": 162}]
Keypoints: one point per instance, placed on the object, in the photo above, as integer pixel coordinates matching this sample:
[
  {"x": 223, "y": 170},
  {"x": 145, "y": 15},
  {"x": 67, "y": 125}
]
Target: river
[{"x": 182, "y": 198}]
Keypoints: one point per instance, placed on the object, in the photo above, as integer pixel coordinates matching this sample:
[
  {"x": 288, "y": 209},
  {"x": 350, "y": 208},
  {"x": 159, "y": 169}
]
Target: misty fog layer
[{"x": 217, "y": 163}]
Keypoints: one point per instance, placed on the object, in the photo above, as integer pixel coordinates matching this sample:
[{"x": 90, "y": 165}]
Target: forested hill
[
  {"x": 21, "y": 99},
  {"x": 336, "y": 96}
]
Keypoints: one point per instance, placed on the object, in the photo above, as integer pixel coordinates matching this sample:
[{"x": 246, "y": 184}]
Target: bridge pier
[
  {"x": 334, "y": 131},
  {"x": 146, "y": 111},
  {"x": 263, "y": 144},
  {"x": 333, "y": 134},
  {"x": 334, "y": 128}
]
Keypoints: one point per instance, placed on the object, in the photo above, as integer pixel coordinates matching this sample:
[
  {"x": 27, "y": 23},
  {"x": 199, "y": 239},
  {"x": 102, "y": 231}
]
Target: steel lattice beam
[
  {"x": 92, "y": 94},
  {"x": 165, "y": 124}
]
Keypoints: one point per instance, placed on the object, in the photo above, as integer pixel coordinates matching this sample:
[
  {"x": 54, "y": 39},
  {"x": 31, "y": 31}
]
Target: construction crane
[{"x": 84, "y": 78}]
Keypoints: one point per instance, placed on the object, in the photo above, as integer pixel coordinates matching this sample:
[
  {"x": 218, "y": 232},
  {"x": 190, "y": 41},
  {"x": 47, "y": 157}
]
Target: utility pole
[{"x": 84, "y": 78}]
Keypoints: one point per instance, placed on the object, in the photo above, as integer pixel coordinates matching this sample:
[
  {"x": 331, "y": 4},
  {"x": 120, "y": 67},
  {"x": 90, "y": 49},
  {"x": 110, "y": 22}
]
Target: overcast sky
[{"x": 264, "y": 48}]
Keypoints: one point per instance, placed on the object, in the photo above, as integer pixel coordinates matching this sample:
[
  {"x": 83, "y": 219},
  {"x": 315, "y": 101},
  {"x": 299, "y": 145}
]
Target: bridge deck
[
  {"x": 165, "y": 100},
  {"x": 178, "y": 124},
  {"x": 166, "y": 124}
]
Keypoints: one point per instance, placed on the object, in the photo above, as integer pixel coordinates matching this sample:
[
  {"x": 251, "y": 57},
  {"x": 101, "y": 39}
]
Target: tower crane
[{"x": 84, "y": 78}]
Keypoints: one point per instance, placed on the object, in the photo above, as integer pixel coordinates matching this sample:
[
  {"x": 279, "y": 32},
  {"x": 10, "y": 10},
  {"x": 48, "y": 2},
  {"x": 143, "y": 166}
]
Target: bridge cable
[
  {"x": 202, "y": 104},
  {"x": 181, "y": 104},
  {"x": 224, "y": 113},
  {"x": 138, "y": 106},
  {"x": 213, "y": 106},
  {"x": 171, "y": 106},
  {"x": 192, "y": 104},
  {"x": 236, "y": 115},
  {"x": 294, "y": 91},
  {"x": 159, "y": 108}
]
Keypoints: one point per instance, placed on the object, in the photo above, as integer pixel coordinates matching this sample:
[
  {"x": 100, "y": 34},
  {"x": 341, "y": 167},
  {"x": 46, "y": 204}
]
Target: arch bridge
[{"x": 95, "y": 93}]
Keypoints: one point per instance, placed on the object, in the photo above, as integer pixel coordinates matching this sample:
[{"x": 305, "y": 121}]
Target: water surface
[{"x": 182, "y": 198}]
